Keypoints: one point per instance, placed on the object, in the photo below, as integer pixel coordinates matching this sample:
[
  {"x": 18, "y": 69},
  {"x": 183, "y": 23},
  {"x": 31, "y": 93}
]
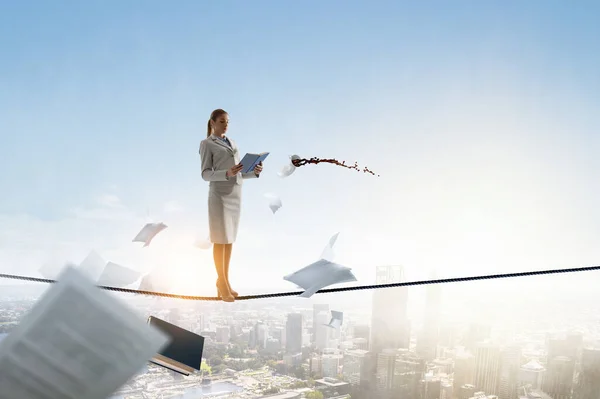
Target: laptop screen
[{"x": 185, "y": 347}]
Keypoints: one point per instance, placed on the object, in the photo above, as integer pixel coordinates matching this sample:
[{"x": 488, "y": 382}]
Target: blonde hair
[{"x": 213, "y": 117}]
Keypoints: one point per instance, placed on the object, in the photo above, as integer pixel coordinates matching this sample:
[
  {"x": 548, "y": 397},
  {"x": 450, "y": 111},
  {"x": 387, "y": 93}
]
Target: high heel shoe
[{"x": 227, "y": 297}]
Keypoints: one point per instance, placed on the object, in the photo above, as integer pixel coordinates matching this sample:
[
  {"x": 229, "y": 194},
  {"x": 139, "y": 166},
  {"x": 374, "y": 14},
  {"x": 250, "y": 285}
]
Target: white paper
[
  {"x": 336, "y": 319},
  {"x": 318, "y": 275},
  {"x": 147, "y": 283},
  {"x": 155, "y": 281},
  {"x": 93, "y": 265},
  {"x": 328, "y": 251},
  {"x": 78, "y": 342},
  {"x": 274, "y": 202},
  {"x": 288, "y": 169},
  {"x": 148, "y": 232},
  {"x": 118, "y": 276},
  {"x": 203, "y": 243}
]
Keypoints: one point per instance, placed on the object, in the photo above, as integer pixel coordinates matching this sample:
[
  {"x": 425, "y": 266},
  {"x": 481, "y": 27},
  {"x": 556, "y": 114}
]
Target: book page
[{"x": 78, "y": 342}]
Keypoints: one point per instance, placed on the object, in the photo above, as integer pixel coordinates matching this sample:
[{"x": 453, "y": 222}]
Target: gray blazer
[{"x": 217, "y": 157}]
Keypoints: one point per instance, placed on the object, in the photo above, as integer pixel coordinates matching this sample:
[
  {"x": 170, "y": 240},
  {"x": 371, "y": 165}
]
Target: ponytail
[{"x": 213, "y": 117}]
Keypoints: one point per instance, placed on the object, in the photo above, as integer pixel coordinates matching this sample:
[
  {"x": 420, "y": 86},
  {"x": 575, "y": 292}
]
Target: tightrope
[{"x": 326, "y": 290}]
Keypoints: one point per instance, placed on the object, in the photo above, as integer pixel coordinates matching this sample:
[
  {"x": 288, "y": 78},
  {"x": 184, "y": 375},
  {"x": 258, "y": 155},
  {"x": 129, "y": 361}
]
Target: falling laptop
[
  {"x": 336, "y": 319},
  {"x": 184, "y": 354}
]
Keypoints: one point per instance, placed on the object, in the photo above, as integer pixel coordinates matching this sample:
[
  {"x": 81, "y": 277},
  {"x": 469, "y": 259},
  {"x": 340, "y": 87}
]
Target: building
[
  {"x": 317, "y": 308},
  {"x": 322, "y": 332},
  {"x": 390, "y": 328},
  {"x": 332, "y": 387},
  {"x": 354, "y": 364},
  {"x": 409, "y": 371},
  {"x": 386, "y": 362},
  {"x": 293, "y": 333},
  {"x": 330, "y": 363},
  {"x": 223, "y": 333},
  {"x": 487, "y": 367},
  {"x": 558, "y": 380},
  {"x": 464, "y": 373},
  {"x": 588, "y": 386},
  {"x": 508, "y": 380},
  {"x": 531, "y": 374}
]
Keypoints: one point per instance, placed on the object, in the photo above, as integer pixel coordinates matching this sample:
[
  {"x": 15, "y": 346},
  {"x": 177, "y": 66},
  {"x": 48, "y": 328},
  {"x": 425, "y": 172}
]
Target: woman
[{"x": 221, "y": 167}]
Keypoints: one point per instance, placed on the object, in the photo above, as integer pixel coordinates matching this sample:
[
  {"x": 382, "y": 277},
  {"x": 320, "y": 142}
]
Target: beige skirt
[{"x": 224, "y": 206}]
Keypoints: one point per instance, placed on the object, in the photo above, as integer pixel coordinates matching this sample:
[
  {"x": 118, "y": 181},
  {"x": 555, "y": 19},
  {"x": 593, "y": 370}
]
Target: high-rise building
[
  {"x": 588, "y": 386},
  {"x": 487, "y": 367},
  {"x": 293, "y": 333},
  {"x": 558, "y": 380},
  {"x": 464, "y": 372},
  {"x": 431, "y": 387},
  {"x": 261, "y": 332},
  {"x": 322, "y": 332},
  {"x": 510, "y": 363},
  {"x": 409, "y": 370},
  {"x": 354, "y": 365},
  {"x": 390, "y": 328},
  {"x": 317, "y": 308},
  {"x": 330, "y": 363},
  {"x": 386, "y": 361},
  {"x": 279, "y": 334},
  {"x": 428, "y": 339},
  {"x": 223, "y": 334}
]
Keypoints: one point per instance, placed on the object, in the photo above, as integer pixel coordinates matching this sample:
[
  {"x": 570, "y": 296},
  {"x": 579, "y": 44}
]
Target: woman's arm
[
  {"x": 208, "y": 173},
  {"x": 249, "y": 175},
  {"x": 254, "y": 173}
]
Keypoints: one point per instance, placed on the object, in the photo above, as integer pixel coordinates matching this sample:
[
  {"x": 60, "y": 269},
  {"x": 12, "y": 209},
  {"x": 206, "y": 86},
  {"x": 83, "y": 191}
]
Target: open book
[
  {"x": 184, "y": 353},
  {"x": 251, "y": 160}
]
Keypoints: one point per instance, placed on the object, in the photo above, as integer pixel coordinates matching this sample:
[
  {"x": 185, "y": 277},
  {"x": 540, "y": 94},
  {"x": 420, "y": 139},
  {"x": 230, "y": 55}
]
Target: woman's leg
[
  {"x": 219, "y": 258},
  {"x": 227, "y": 258}
]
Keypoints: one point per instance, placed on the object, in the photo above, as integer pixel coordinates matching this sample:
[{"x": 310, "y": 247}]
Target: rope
[{"x": 327, "y": 290}]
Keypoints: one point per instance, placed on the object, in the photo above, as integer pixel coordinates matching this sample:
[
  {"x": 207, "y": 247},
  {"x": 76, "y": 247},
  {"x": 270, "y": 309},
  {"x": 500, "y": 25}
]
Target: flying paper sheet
[
  {"x": 274, "y": 202},
  {"x": 288, "y": 169},
  {"x": 118, "y": 276},
  {"x": 147, "y": 283},
  {"x": 336, "y": 319},
  {"x": 203, "y": 243},
  {"x": 78, "y": 342},
  {"x": 93, "y": 265},
  {"x": 327, "y": 253},
  {"x": 148, "y": 232},
  {"x": 155, "y": 281},
  {"x": 318, "y": 275}
]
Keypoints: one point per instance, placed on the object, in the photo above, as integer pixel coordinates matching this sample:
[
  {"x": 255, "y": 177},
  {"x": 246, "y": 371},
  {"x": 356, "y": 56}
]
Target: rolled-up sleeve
[{"x": 208, "y": 172}]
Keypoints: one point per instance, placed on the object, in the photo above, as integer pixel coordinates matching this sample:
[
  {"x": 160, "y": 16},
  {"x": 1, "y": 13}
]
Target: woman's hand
[
  {"x": 234, "y": 170},
  {"x": 257, "y": 169}
]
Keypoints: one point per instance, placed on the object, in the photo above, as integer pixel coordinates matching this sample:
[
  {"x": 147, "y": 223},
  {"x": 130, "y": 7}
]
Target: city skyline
[{"x": 499, "y": 364}]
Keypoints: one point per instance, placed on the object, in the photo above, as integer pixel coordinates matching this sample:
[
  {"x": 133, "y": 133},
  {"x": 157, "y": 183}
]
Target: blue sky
[{"x": 481, "y": 117}]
